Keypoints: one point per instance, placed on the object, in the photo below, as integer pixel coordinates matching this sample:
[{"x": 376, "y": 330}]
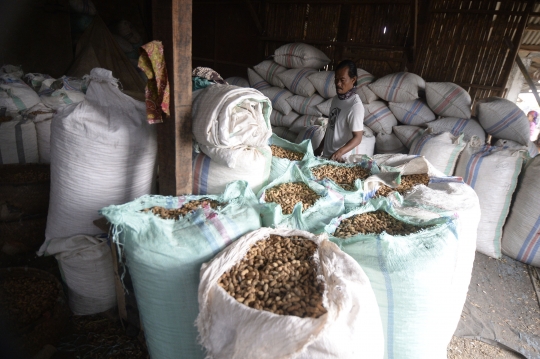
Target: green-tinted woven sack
[
  {"x": 164, "y": 258},
  {"x": 279, "y": 165}
]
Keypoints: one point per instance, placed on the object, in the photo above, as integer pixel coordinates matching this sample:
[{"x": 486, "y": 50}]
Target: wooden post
[
  {"x": 524, "y": 71},
  {"x": 171, "y": 21}
]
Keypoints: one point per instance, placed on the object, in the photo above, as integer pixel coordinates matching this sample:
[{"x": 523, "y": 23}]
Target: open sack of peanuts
[{"x": 279, "y": 293}]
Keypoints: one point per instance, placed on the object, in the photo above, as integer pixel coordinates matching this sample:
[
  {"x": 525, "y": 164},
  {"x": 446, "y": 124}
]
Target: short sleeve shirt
[{"x": 346, "y": 117}]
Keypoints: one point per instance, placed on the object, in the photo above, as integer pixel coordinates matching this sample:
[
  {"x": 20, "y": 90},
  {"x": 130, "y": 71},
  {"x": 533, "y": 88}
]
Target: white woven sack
[
  {"x": 280, "y": 120},
  {"x": 366, "y": 147},
  {"x": 285, "y": 133},
  {"x": 408, "y": 134},
  {"x": 442, "y": 150},
  {"x": 502, "y": 118},
  {"x": 211, "y": 177},
  {"x": 492, "y": 172},
  {"x": 362, "y": 88},
  {"x": 229, "y": 118},
  {"x": 279, "y": 98},
  {"x": 323, "y": 81},
  {"x": 42, "y": 116},
  {"x": 12, "y": 71},
  {"x": 16, "y": 96},
  {"x": 398, "y": 87},
  {"x": 324, "y": 107},
  {"x": 352, "y": 327},
  {"x": 458, "y": 126},
  {"x": 415, "y": 113},
  {"x": 297, "y": 81},
  {"x": 299, "y": 55},
  {"x": 531, "y": 148},
  {"x": 378, "y": 117},
  {"x": 87, "y": 268},
  {"x": 237, "y": 81},
  {"x": 269, "y": 70},
  {"x": 388, "y": 143},
  {"x": 256, "y": 81},
  {"x": 306, "y": 105},
  {"x": 314, "y": 133},
  {"x": 18, "y": 142},
  {"x": 98, "y": 157},
  {"x": 35, "y": 80},
  {"x": 303, "y": 122},
  {"x": 521, "y": 236},
  {"x": 448, "y": 99},
  {"x": 61, "y": 98}
]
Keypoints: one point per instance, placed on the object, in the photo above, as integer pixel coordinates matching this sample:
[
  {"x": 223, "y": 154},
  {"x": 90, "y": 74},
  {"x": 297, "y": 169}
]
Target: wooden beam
[
  {"x": 532, "y": 27},
  {"x": 524, "y": 72},
  {"x": 336, "y": 43},
  {"x": 254, "y": 16},
  {"x": 172, "y": 25},
  {"x": 196, "y": 58},
  {"x": 530, "y": 47}
]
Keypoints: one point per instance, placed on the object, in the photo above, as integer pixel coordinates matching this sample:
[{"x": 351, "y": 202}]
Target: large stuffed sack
[
  {"x": 227, "y": 119},
  {"x": 61, "y": 98},
  {"x": 306, "y": 105},
  {"x": 98, "y": 157},
  {"x": 408, "y": 134},
  {"x": 18, "y": 142},
  {"x": 15, "y": 72},
  {"x": 284, "y": 133},
  {"x": 366, "y": 147},
  {"x": 502, "y": 118},
  {"x": 414, "y": 278},
  {"x": 314, "y": 133},
  {"x": 237, "y": 81},
  {"x": 415, "y": 113},
  {"x": 279, "y": 98},
  {"x": 398, "y": 87},
  {"x": 164, "y": 257},
  {"x": 362, "y": 88},
  {"x": 42, "y": 117},
  {"x": 298, "y": 55},
  {"x": 86, "y": 265},
  {"x": 448, "y": 99},
  {"x": 351, "y": 328},
  {"x": 16, "y": 96},
  {"x": 35, "y": 80},
  {"x": 314, "y": 218},
  {"x": 297, "y": 81},
  {"x": 324, "y": 107},
  {"x": 211, "y": 177},
  {"x": 323, "y": 82},
  {"x": 458, "y": 126},
  {"x": 388, "y": 143},
  {"x": 378, "y": 117},
  {"x": 269, "y": 70},
  {"x": 256, "y": 81},
  {"x": 280, "y": 165},
  {"x": 305, "y": 121},
  {"x": 442, "y": 150},
  {"x": 280, "y": 120},
  {"x": 531, "y": 148},
  {"x": 521, "y": 236},
  {"x": 492, "y": 172}
]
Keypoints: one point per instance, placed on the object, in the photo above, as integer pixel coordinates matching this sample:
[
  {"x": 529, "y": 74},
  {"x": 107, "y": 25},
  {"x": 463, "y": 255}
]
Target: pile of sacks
[{"x": 28, "y": 102}]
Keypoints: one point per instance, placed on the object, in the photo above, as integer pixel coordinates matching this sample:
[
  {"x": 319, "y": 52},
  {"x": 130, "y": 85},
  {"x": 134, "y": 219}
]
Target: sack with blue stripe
[
  {"x": 493, "y": 173},
  {"x": 164, "y": 257},
  {"x": 329, "y": 205},
  {"x": 354, "y": 197},
  {"x": 412, "y": 278},
  {"x": 442, "y": 150},
  {"x": 415, "y": 112},
  {"x": 280, "y": 165},
  {"x": 521, "y": 236},
  {"x": 502, "y": 118}
]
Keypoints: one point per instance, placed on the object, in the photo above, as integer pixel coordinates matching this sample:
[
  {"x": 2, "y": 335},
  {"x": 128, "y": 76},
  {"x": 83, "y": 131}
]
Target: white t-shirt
[{"x": 345, "y": 117}]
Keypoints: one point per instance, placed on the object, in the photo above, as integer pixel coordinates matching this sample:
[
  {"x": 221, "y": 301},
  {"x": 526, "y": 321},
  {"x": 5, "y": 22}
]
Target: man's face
[{"x": 343, "y": 82}]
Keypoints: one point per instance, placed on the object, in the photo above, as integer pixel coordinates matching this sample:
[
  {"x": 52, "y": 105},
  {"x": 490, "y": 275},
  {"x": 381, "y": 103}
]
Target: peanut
[
  {"x": 289, "y": 194},
  {"x": 344, "y": 176},
  {"x": 288, "y": 154},
  {"x": 407, "y": 182}
]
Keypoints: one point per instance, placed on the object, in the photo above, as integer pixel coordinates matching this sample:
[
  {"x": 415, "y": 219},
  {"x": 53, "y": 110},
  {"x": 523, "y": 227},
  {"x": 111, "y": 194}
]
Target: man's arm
[{"x": 352, "y": 143}]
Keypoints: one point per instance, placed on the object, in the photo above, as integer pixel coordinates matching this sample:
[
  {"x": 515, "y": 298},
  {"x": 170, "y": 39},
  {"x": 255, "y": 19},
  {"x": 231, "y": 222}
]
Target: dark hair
[{"x": 352, "y": 68}]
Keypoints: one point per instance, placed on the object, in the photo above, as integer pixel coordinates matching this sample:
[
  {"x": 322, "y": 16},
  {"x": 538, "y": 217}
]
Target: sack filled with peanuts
[{"x": 282, "y": 293}]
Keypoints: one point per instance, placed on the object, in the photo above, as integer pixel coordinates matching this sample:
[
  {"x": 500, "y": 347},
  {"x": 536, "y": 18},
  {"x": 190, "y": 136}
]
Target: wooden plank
[
  {"x": 532, "y": 27},
  {"x": 254, "y": 16},
  {"x": 524, "y": 71},
  {"x": 336, "y": 43},
  {"x": 196, "y": 58},
  {"x": 172, "y": 25},
  {"x": 530, "y": 47},
  {"x": 356, "y": 2}
]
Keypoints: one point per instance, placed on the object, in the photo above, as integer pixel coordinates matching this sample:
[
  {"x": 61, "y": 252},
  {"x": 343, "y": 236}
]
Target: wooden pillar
[{"x": 171, "y": 21}]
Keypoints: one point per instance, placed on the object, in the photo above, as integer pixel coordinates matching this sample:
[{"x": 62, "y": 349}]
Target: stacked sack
[{"x": 231, "y": 126}]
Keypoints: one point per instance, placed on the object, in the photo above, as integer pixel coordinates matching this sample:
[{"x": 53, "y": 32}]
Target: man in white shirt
[{"x": 346, "y": 121}]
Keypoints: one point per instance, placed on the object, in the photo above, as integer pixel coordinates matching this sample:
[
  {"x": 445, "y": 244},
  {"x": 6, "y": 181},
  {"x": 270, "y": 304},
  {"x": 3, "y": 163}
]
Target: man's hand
[{"x": 338, "y": 155}]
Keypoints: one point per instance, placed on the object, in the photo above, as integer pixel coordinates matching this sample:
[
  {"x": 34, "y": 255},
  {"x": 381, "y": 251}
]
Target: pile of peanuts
[
  {"x": 407, "y": 182},
  {"x": 375, "y": 222},
  {"x": 344, "y": 176},
  {"x": 288, "y": 154},
  {"x": 278, "y": 275},
  {"x": 176, "y": 213},
  {"x": 290, "y": 193}
]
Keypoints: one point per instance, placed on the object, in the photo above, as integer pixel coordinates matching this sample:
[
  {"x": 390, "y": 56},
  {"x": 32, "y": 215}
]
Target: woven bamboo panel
[{"x": 464, "y": 43}]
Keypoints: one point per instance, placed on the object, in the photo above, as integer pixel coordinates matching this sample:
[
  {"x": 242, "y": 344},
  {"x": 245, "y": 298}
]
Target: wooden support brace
[{"x": 524, "y": 72}]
